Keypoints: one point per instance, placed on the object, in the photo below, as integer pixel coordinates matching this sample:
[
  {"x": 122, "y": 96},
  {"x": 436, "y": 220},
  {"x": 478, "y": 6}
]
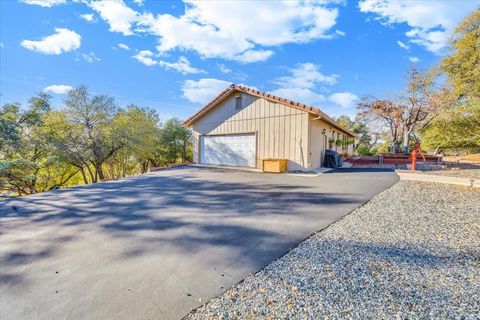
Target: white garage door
[{"x": 228, "y": 150}]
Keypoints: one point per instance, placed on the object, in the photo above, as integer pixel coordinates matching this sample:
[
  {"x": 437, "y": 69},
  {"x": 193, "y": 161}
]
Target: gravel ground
[
  {"x": 461, "y": 170},
  {"x": 411, "y": 252},
  {"x": 464, "y": 173}
]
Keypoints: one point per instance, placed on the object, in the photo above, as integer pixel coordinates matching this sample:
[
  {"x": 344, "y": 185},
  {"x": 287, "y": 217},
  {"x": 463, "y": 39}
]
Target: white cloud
[
  {"x": 58, "y": 88},
  {"x": 2, "y": 45},
  {"x": 123, "y": 46},
  {"x": 237, "y": 75},
  {"x": 219, "y": 29},
  {"x": 119, "y": 16},
  {"x": 145, "y": 57},
  {"x": 44, "y": 3},
  {"x": 434, "y": 41},
  {"x": 181, "y": 33},
  {"x": 414, "y": 59},
  {"x": 90, "y": 57},
  {"x": 203, "y": 90},
  {"x": 63, "y": 40},
  {"x": 254, "y": 56},
  {"x": 301, "y": 84},
  {"x": 340, "y": 33},
  {"x": 431, "y": 21},
  {"x": 139, "y": 2},
  {"x": 89, "y": 17},
  {"x": 305, "y": 75},
  {"x": 345, "y": 100},
  {"x": 269, "y": 23},
  {"x": 223, "y": 68},
  {"x": 182, "y": 65},
  {"x": 403, "y": 45}
]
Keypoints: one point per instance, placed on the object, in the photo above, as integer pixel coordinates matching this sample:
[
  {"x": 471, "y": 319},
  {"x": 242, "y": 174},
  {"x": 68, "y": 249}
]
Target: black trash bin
[{"x": 332, "y": 159}]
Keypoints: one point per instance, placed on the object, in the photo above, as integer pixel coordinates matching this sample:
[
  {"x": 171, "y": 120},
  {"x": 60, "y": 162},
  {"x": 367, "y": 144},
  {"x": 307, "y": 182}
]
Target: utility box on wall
[{"x": 274, "y": 165}]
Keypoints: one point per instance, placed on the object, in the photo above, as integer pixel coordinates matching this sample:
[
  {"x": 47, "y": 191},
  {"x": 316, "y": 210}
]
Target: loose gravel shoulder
[
  {"x": 465, "y": 173},
  {"x": 411, "y": 252},
  {"x": 459, "y": 170}
]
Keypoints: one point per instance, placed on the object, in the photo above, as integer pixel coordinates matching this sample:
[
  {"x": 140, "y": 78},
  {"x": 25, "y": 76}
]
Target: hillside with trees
[{"x": 88, "y": 140}]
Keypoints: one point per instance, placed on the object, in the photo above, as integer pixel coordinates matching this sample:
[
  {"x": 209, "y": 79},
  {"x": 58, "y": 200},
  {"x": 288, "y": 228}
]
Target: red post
[
  {"x": 414, "y": 159},
  {"x": 417, "y": 149}
]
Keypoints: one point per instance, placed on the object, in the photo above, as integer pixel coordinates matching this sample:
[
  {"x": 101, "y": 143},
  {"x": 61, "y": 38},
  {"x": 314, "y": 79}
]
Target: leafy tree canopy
[
  {"x": 463, "y": 65},
  {"x": 459, "y": 128},
  {"x": 91, "y": 138}
]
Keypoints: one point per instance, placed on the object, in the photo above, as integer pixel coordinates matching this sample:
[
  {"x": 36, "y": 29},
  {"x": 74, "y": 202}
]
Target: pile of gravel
[{"x": 411, "y": 252}]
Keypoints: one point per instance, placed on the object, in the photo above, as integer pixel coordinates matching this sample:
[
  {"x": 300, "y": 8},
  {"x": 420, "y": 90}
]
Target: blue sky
[{"x": 173, "y": 56}]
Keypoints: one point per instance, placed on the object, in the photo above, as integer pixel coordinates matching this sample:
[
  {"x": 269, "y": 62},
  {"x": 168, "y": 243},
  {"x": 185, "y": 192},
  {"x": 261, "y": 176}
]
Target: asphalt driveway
[{"x": 158, "y": 245}]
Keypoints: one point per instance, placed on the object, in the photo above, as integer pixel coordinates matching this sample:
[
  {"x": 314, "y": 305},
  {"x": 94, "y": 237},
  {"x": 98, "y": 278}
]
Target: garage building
[{"x": 241, "y": 126}]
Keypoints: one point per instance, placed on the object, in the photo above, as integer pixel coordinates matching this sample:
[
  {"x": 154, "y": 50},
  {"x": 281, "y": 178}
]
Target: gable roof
[{"x": 238, "y": 88}]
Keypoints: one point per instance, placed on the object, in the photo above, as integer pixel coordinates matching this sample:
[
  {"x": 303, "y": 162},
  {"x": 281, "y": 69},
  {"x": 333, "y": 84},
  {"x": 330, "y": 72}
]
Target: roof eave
[
  {"x": 336, "y": 125},
  {"x": 234, "y": 87},
  {"x": 222, "y": 95}
]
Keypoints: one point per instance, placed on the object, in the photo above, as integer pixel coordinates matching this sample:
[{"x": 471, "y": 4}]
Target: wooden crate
[{"x": 274, "y": 165}]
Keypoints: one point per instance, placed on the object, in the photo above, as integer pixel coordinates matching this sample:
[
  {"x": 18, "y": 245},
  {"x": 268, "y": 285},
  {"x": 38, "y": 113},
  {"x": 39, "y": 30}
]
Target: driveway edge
[
  {"x": 439, "y": 179},
  {"x": 289, "y": 250}
]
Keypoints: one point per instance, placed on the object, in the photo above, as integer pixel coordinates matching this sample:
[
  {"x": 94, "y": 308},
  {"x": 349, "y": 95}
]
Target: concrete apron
[
  {"x": 316, "y": 173},
  {"x": 247, "y": 169}
]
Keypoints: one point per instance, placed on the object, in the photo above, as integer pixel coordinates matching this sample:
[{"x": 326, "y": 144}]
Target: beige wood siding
[
  {"x": 282, "y": 131},
  {"x": 318, "y": 140}
]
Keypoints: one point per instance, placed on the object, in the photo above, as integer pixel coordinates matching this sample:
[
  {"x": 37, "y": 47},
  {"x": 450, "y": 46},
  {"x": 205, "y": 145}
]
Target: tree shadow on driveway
[
  {"x": 167, "y": 232},
  {"x": 187, "y": 211}
]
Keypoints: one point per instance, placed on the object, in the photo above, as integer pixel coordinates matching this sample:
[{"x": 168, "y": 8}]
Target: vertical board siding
[
  {"x": 280, "y": 129},
  {"x": 317, "y": 141},
  {"x": 267, "y": 131},
  {"x": 281, "y": 132},
  {"x": 317, "y": 147}
]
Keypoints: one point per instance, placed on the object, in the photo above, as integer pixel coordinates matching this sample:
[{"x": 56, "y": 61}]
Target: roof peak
[{"x": 297, "y": 105}]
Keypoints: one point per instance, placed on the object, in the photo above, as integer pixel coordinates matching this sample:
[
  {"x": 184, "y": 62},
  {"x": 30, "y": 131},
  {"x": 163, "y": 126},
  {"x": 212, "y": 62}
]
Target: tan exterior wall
[
  {"x": 281, "y": 131},
  {"x": 320, "y": 141}
]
